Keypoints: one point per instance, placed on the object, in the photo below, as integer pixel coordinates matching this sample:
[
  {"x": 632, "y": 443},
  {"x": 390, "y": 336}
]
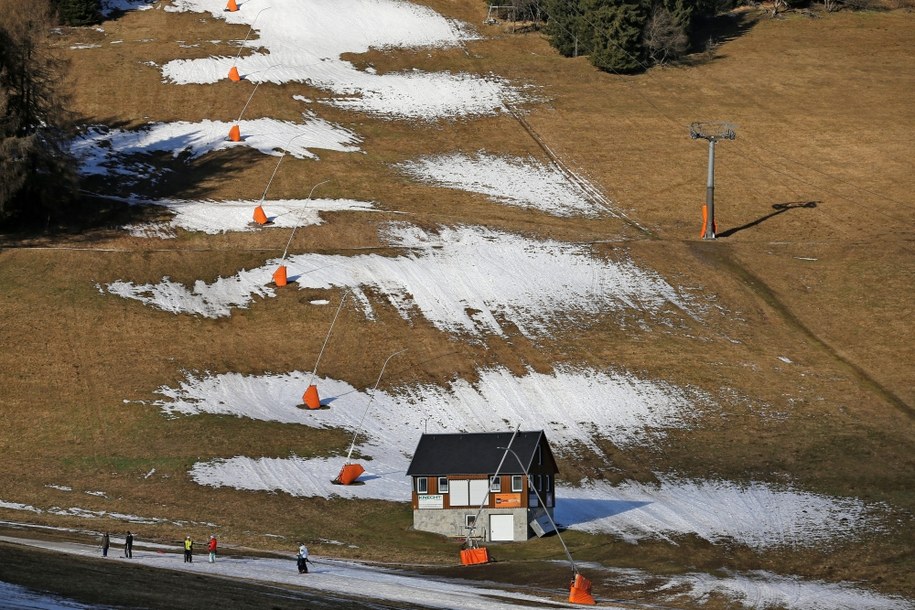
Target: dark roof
[{"x": 476, "y": 453}]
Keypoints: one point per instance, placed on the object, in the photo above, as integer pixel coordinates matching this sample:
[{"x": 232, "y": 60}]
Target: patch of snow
[
  {"x": 16, "y": 597},
  {"x": 462, "y": 280},
  {"x": 331, "y": 576},
  {"x": 109, "y": 7},
  {"x": 18, "y": 506},
  {"x": 298, "y": 42},
  {"x": 759, "y": 590},
  {"x": 103, "y": 151},
  {"x": 60, "y": 487},
  {"x": 512, "y": 181},
  {"x": 214, "y": 217},
  {"x": 755, "y": 514},
  {"x": 620, "y": 407}
]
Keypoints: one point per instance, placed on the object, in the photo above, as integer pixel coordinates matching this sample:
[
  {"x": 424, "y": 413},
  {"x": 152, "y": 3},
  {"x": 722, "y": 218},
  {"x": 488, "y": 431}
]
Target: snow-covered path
[{"x": 330, "y": 575}]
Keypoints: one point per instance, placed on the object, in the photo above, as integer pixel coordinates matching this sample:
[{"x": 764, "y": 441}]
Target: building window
[
  {"x": 495, "y": 484},
  {"x": 443, "y": 485},
  {"x": 470, "y": 520},
  {"x": 539, "y": 455},
  {"x": 517, "y": 483},
  {"x": 422, "y": 485}
]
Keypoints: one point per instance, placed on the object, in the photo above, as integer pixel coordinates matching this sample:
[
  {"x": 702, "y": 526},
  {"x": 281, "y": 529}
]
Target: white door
[{"x": 501, "y": 528}]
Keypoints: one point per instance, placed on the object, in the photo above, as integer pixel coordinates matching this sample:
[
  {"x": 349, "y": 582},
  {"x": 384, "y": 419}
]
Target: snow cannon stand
[
  {"x": 260, "y": 216},
  {"x": 279, "y": 276},
  {"x": 474, "y": 555},
  {"x": 348, "y": 474},
  {"x": 311, "y": 400},
  {"x": 580, "y": 591}
]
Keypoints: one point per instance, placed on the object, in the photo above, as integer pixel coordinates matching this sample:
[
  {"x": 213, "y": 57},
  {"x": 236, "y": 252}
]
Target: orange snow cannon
[{"x": 580, "y": 591}]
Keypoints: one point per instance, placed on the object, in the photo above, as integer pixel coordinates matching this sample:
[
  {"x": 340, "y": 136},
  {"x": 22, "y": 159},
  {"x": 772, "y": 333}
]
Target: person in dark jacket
[
  {"x": 106, "y": 542},
  {"x": 128, "y": 545}
]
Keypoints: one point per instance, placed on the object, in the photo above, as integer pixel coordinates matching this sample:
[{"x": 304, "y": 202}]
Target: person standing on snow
[
  {"x": 302, "y": 558},
  {"x": 106, "y": 542},
  {"x": 211, "y": 547},
  {"x": 128, "y": 545},
  {"x": 188, "y": 550}
]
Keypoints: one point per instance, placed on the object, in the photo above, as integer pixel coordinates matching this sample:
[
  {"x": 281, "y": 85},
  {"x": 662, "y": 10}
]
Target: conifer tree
[
  {"x": 617, "y": 36},
  {"x": 78, "y": 12},
  {"x": 36, "y": 175}
]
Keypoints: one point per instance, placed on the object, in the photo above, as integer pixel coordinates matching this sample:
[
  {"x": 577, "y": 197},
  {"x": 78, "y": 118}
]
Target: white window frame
[
  {"x": 517, "y": 483},
  {"x": 495, "y": 484},
  {"x": 470, "y": 520},
  {"x": 443, "y": 485},
  {"x": 422, "y": 485}
]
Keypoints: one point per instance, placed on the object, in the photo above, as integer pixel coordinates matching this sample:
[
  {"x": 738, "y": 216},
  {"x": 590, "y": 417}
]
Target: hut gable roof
[{"x": 479, "y": 454}]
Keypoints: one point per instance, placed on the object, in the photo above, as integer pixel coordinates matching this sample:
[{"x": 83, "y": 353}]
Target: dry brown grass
[{"x": 824, "y": 113}]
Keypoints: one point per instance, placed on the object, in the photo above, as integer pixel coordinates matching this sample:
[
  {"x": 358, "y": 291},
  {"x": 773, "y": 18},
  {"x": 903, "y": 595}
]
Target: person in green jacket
[{"x": 188, "y": 550}]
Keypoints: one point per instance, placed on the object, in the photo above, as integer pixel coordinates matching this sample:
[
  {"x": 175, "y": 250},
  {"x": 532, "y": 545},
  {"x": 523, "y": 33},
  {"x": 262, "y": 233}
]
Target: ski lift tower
[{"x": 711, "y": 131}]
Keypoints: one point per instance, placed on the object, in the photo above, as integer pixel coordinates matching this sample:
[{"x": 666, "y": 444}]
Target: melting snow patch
[
  {"x": 214, "y": 217},
  {"x": 18, "y": 597},
  {"x": 513, "y": 181},
  {"x": 759, "y": 590},
  {"x": 620, "y": 407},
  {"x": 754, "y": 514},
  {"x": 109, "y": 7},
  {"x": 102, "y": 150},
  {"x": 445, "y": 276},
  {"x": 18, "y": 506},
  {"x": 332, "y": 29}
]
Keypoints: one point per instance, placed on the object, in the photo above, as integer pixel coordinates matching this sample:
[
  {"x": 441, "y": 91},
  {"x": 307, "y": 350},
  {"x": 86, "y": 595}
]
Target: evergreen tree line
[
  {"x": 622, "y": 36},
  {"x": 77, "y": 12},
  {"x": 626, "y": 36}
]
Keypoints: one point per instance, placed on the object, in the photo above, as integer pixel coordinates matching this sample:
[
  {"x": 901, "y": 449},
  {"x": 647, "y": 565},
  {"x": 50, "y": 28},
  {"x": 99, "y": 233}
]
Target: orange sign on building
[{"x": 508, "y": 500}]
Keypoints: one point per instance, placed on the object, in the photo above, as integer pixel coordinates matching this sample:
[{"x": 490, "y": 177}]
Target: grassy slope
[{"x": 822, "y": 116}]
